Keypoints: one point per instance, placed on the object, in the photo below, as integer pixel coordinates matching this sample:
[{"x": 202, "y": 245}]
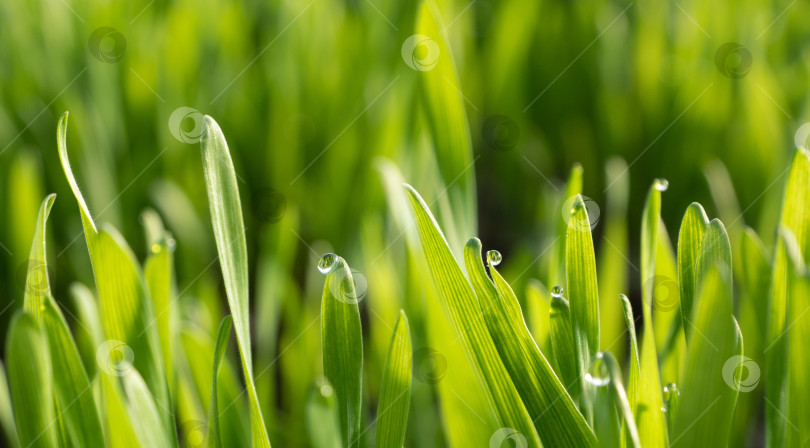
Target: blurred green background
[{"x": 311, "y": 93}]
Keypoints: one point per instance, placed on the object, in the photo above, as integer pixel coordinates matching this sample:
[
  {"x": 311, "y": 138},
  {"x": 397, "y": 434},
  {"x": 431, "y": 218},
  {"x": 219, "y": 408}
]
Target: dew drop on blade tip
[
  {"x": 557, "y": 291},
  {"x": 494, "y": 257},
  {"x": 661, "y": 184},
  {"x": 327, "y": 263}
]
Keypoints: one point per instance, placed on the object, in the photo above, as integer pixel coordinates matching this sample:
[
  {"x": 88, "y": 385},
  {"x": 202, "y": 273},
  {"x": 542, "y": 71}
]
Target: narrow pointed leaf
[
  {"x": 229, "y": 232},
  {"x": 556, "y": 417},
  {"x": 214, "y": 430},
  {"x": 690, "y": 236},
  {"x": 465, "y": 313},
  {"x": 144, "y": 413},
  {"x": 341, "y": 339},
  {"x": 37, "y": 286},
  {"x": 562, "y": 341},
  {"x": 395, "y": 396}
]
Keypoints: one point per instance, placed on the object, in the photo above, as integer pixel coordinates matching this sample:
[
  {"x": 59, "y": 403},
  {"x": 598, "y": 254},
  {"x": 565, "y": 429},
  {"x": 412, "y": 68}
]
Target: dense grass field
[{"x": 335, "y": 223}]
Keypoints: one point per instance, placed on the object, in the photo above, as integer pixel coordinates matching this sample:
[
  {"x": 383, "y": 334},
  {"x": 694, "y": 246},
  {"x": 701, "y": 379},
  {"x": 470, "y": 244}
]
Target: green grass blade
[
  {"x": 650, "y": 420},
  {"x": 322, "y": 416},
  {"x": 229, "y": 232},
  {"x": 634, "y": 373},
  {"x": 126, "y": 309},
  {"x": 555, "y": 415},
  {"x": 690, "y": 236},
  {"x": 465, "y": 314},
  {"x": 71, "y": 384},
  {"x": 214, "y": 431},
  {"x": 583, "y": 290},
  {"x": 6, "y": 412},
  {"x": 795, "y": 217},
  {"x": 708, "y": 392},
  {"x": 556, "y": 274},
  {"x": 798, "y": 374},
  {"x": 395, "y": 395},
  {"x": 619, "y": 397},
  {"x": 341, "y": 339},
  {"x": 562, "y": 342},
  {"x": 31, "y": 383},
  {"x": 144, "y": 414},
  {"x": 37, "y": 286}
]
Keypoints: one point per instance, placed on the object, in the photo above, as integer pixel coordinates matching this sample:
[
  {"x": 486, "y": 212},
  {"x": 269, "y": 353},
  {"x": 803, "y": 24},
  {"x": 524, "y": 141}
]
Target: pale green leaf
[
  {"x": 322, "y": 416},
  {"x": 37, "y": 286},
  {"x": 556, "y": 418},
  {"x": 562, "y": 341},
  {"x": 214, "y": 430},
  {"x": 341, "y": 339},
  {"x": 146, "y": 420},
  {"x": 6, "y": 413},
  {"x": 30, "y": 381},
  {"x": 465, "y": 314},
  {"x": 395, "y": 395},
  {"x": 690, "y": 236},
  {"x": 229, "y": 231}
]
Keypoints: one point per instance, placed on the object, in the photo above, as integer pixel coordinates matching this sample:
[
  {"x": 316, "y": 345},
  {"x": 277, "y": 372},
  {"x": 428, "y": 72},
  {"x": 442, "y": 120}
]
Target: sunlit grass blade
[
  {"x": 798, "y": 374},
  {"x": 634, "y": 373},
  {"x": 214, "y": 431},
  {"x": 342, "y": 343},
  {"x": 710, "y": 377},
  {"x": 144, "y": 413},
  {"x": 126, "y": 309},
  {"x": 6, "y": 413},
  {"x": 30, "y": 382},
  {"x": 322, "y": 416},
  {"x": 650, "y": 420},
  {"x": 465, "y": 314},
  {"x": 583, "y": 290},
  {"x": 395, "y": 395},
  {"x": 619, "y": 398},
  {"x": 229, "y": 232},
  {"x": 573, "y": 187},
  {"x": 556, "y": 418},
  {"x": 690, "y": 236},
  {"x": 71, "y": 384},
  {"x": 37, "y": 286},
  {"x": 562, "y": 342}
]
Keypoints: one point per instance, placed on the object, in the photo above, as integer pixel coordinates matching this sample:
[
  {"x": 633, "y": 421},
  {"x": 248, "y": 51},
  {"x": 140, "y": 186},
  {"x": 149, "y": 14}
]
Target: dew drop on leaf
[
  {"x": 494, "y": 257},
  {"x": 327, "y": 263},
  {"x": 557, "y": 291}
]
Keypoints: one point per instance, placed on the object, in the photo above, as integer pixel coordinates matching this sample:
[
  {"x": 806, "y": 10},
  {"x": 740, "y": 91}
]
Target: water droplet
[
  {"x": 671, "y": 391},
  {"x": 494, "y": 257},
  {"x": 155, "y": 248},
  {"x": 557, "y": 291},
  {"x": 327, "y": 262},
  {"x": 326, "y": 390},
  {"x": 598, "y": 374},
  {"x": 171, "y": 244},
  {"x": 663, "y": 409},
  {"x": 661, "y": 184}
]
